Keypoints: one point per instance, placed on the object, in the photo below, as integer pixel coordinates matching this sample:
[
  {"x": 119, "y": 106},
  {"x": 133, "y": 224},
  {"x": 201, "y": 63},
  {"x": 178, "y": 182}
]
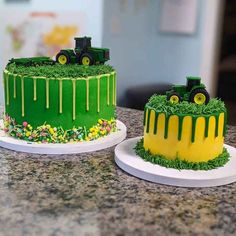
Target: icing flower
[
  {"x": 25, "y": 124},
  {"x": 48, "y": 134}
]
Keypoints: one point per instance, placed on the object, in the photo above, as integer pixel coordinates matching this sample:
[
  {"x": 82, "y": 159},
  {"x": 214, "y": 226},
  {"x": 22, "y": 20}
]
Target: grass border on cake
[
  {"x": 59, "y": 71},
  {"x": 178, "y": 164},
  {"x": 160, "y": 104}
]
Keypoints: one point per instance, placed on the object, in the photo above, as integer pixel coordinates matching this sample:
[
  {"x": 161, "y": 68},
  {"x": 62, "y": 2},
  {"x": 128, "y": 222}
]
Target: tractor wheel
[
  {"x": 199, "y": 96},
  {"x": 86, "y": 60},
  {"x": 63, "y": 58},
  {"x": 174, "y": 98}
]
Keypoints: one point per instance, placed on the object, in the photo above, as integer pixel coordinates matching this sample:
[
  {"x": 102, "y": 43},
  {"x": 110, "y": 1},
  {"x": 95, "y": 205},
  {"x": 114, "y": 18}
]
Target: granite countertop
[{"x": 87, "y": 194}]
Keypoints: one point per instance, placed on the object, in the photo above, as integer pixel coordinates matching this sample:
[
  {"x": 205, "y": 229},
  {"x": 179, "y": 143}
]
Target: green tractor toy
[
  {"x": 83, "y": 53},
  {"x": 194, "y": 92}
]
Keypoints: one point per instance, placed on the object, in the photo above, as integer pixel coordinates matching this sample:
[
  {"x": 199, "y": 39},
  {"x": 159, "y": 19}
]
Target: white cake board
[
  {"x": 127, "y": 160},
  {"x": 110, "y": 140}
]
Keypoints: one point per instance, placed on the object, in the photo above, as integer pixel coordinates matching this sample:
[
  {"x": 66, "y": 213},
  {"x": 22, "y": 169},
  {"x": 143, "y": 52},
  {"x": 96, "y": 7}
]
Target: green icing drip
[
  {"x": 180, "y": 121},
  {"x": 217, "y": 124},
  {"x": 148, "y": 120},
  {"x": 219, "y": 161},
  {"x": 144, "y": 120},
  {"x": 194, "y": 121},
  {"x": 166, "y": 126},
  {"x": 180, "y": 128},
  {"x": 155, "y": 123},
  {"x": 207, "y": 118}
]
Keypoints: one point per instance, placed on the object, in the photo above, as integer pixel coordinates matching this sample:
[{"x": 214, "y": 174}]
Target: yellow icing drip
[
  {"x": 7, "y": 88},
  {"x": 47, "y": 93},
  {"x": 87, "y": 95},
  {"x": 74, "y": 98},
  {"x": 98, "y": 93},
  {"x": 35, "y": 89},
  {"x": 14, "y": 86},
  {"x": 22, "y": 97},
  {"x": 60, "y": 96},
  {"x": 108, "y": 90},
  {"x": 113, "y": 88}
]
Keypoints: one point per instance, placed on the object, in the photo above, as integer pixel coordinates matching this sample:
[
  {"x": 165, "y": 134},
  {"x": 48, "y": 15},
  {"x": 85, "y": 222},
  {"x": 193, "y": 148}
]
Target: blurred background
[{"x": 153, "y": 43}]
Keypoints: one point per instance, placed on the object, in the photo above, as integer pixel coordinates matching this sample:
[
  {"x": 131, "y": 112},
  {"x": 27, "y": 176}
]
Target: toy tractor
[
  {"x": 83, "y": 53},
  {"x": 194, "y": 92}
]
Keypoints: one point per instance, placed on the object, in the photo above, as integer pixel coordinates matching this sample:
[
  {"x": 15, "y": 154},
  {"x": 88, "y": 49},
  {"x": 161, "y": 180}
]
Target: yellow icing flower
[
  {"x": 51, "y": 131},
  {"x": 100, "y": 121},
  {"x": 28, "y": 134},
  {"x": 29, "y": 127},
  {"x": 103, "y": 132}
]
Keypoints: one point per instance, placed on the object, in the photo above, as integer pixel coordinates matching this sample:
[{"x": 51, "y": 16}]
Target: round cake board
[
  {"x": 110, "y": 140},
  {"x": 127, "y": 160}
]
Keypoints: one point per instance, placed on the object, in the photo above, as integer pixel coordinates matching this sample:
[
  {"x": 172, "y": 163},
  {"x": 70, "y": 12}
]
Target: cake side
[
  {"x": 184, "y": 131},
  {"x": 47, "y": 94}
]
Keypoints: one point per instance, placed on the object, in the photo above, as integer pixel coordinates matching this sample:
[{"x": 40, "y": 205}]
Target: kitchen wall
[{"x": 143, "y": 54}]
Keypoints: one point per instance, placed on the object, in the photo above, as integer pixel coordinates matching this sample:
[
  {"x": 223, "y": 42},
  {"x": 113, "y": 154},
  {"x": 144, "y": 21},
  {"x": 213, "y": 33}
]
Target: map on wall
[{"x": 28, "y": 34}]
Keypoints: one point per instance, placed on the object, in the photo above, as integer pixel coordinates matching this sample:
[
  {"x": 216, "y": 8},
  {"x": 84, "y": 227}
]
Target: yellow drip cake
[{"x": 184, "y": 135}]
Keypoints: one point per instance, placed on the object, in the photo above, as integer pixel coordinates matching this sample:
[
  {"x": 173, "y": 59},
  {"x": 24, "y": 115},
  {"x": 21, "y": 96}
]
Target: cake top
[
  {"x": 160, "y": 104},
  {"x": 57, "y": 70}
]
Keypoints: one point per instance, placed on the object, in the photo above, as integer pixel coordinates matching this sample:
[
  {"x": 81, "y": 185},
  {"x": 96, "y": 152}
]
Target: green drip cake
[{"x": 50, "y": 102}]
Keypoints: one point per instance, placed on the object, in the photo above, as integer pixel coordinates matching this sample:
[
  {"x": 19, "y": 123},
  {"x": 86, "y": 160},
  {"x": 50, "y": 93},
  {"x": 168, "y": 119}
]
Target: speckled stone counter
[{"x": 89, "y": 195}]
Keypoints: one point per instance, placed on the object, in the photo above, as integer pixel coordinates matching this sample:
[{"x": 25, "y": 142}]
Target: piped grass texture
[
  {"x": 160, "y": 104},
  {"x": 219, "y": 161},
  {"x": 59, "y": 71}
]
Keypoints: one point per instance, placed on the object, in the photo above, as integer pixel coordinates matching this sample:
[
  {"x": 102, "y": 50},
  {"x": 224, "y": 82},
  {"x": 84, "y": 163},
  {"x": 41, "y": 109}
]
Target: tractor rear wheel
[
  {"x": 63, "y": 58},
  {"x": 199, "y": 96},
  {"x": 86, "y": 59},
  {"x": 174, "y": 98}
]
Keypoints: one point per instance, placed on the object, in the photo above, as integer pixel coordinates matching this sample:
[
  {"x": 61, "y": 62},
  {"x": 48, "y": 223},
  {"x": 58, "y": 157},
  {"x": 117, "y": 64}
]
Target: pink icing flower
[
  {"x": 25, "y": 124},
  {"x": 108, "y": 129}
]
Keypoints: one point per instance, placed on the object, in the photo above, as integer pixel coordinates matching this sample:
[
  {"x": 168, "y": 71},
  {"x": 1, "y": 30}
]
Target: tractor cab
[
  {"x": 82, "y": 43},
  {"x": 194, "y": 92},
  {"x": 192, "y": 82}
]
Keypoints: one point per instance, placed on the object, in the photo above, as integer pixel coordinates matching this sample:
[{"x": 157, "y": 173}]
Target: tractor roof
[
  {"x": 85, "y": 37},
  {"x": 193, "y": 78}
]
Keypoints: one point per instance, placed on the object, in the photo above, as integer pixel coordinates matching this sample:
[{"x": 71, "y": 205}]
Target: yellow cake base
[{"x": 168, "y": 143}]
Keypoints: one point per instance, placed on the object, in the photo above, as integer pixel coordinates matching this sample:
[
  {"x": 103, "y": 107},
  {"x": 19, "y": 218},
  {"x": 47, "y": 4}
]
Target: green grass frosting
[
  {"x": 160, "y": 104},
  {"x": 59, "y": 71},
  {"x": 219, "y": 161}
]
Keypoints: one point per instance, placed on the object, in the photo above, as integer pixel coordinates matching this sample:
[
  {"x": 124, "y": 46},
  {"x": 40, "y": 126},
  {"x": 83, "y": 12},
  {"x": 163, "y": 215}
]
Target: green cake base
[
  {"x": 61, "y": 95},
  {"x": 219, "y": 161}
]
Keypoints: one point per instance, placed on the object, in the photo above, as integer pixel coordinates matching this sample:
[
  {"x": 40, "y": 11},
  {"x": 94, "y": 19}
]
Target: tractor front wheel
[
  {"x": 86, "y": 60},
  {"x": 174, "y": 98},
  {"x": 199, "y": 96},
  {"x": 63, "y": 58}
]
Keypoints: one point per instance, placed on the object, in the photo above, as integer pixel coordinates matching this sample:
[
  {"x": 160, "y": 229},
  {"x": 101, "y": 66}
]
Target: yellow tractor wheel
[
  {"x": 199, "y": 96},
  {"x": 62, "y": 58},
  {"x": 86, "y": 59},
  {"x": 174, "y": 98}
]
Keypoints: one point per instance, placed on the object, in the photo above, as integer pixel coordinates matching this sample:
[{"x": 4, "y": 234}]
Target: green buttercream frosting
[
  {"x": 59, "y": 71},
  {"x": 160, "y": 104},
  {"x": 219, "y": 161}
]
